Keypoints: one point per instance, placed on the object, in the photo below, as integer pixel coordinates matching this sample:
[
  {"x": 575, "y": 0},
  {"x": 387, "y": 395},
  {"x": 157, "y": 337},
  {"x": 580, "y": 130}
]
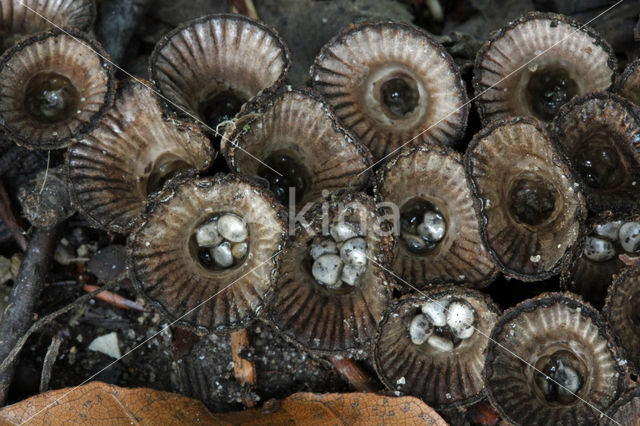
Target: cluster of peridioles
[{"x": 386, "y": 109}]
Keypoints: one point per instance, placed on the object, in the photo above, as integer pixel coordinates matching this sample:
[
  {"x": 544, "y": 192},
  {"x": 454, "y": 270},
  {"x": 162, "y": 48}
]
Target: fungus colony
[{"x": 385, "y": 261}]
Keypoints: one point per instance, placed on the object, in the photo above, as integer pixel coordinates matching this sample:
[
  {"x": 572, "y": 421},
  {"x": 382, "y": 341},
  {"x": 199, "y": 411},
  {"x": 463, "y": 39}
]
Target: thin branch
[{"x": 22, "y": 300}]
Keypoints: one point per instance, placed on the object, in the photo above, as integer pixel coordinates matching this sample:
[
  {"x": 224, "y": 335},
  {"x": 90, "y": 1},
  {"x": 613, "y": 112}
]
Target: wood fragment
[
  {"x": 243, "y": 7},
  {"x": 243, "y": 369},
  {"x": 357, "y": 377},
  {"x": 10, "y": 220},
  {"x": 49, "y": 360}
]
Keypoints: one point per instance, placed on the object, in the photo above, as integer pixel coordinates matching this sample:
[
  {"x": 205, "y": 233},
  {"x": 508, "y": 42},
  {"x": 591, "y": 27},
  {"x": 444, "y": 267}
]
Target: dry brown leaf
[{"x": 102, "y": 403}]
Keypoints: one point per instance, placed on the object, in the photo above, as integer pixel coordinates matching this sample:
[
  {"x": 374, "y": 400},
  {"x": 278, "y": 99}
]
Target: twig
[
  {"x": 243, "y": 7},
  {"x": 243, "y": 369},
  {"x": 114, "y": 298},
  {"x": 24, "y": 294},
  {"x": 49, "y": 360},
  {"x": 359, "y": 379},
  {"x": 10, "y": 220},
  {"x": 47, "y": 319}
]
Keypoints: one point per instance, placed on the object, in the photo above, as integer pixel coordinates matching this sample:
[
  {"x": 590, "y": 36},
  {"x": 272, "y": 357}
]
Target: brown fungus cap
[
  {"x": 391, "y": 84},
  {"x": 297, "y": 136},
  {"x": 54, "y": 87},
  {"x": 628, "y": 84},
  {"x": 531, "y": 212},
  {"x": 22, "y": 17},
  {"x": 209, "y": 67},
  {"x": 537, "y": 63},
  {"x": 169, "y": 268},
  {"x": 444, "y": 371},
  {"x": 134, "y": 148},
  {"x": 600, "y": 133},
  {"x": 571, "y": 365},
  {"x": 333, "y": 317},
  {"x": 626, "y": 410},
  {"x": 438, "y": 230},
  {"x": 622, "y": 314}
]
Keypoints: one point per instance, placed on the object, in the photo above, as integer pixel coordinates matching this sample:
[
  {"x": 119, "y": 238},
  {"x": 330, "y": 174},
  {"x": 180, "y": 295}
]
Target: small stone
[
  {"x": 598, "y": 249},
  {"x": 354, "y": 251},
  {"x": 107, "y": 344},
  {"x": 433, "y": 227},
  {"x": 239, "y": 250},
  {"x": 420, "y": 329},
  {"x": 351, "y": 273},
  {"x": 609, "y": 230},
  {"x": 629, "y": 235},
  {"x": 460, "y": 318},
  {"x": 327, "y": 269},
  {"x": 207, "y": 234},
  {"x": 222, "y": 255},
  {"x": 232, "y": 228},
  {"x": 343, "y": 231},
  {"x": 325, "y": 246},
  {"x": 435, "y": 311},
  {"x": 440, "y": 343}
]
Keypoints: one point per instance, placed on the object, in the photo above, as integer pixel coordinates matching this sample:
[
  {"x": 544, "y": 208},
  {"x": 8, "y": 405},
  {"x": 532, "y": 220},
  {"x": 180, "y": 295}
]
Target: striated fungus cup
[
  {"x": 622, "y": 314},
  {"x": 600, "y": 134},
  {"x": 591, "y": 270},
  {"x": 211, "y": 66},
  {"x": 332, "y": 287},
  {"x": 134, "y": 149},
  {"x": 19, "y": 18},
  {"x": 626, "y": 410},
  {"x": 531, "y": 211},
  {"x": 432, "y": 346},
  {"x": 439, "y": 236},
  {"x": 535, "y": 64},
  {"x": 54, "y": 87},
  {"x": 551, "y": 360},
  {"x": 206, "y": 249},
  {"x": 628, "y": 84},
  {"x": 391, "y": 83},
  {"x": 297, "y": 136}
]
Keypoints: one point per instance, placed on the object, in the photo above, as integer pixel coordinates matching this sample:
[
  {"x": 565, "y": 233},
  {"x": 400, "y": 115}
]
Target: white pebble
[
  {"x": 232, "y": 228},
  {"x": 327, "y": 269},
  {"x": 598, "y": 249},
  {"x": 222, "y": 255},
  {"x": 326, "y": 246},
  {"x": 608, "y": 230},
  {"x": 351, "y": 273},
  {"x": 354, "y": 251},
  {"x": 440, "y": 343},
  {"x": 207, "y": 235},
  {"x": 420, "y": 329},
  {"x": 239, "y": 250},
  {"x": 630, "y": 237},
  {"x": 435, "y": 311},
  {"x": 107, "y": 344},
  {"x": 433, "y": 227},
  {"x": 460, "y": 318},
  {"x": 343, "y": 231}
]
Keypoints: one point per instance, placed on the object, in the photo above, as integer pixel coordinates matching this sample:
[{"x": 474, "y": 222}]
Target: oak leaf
[{"x": 98, "y": 402}]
